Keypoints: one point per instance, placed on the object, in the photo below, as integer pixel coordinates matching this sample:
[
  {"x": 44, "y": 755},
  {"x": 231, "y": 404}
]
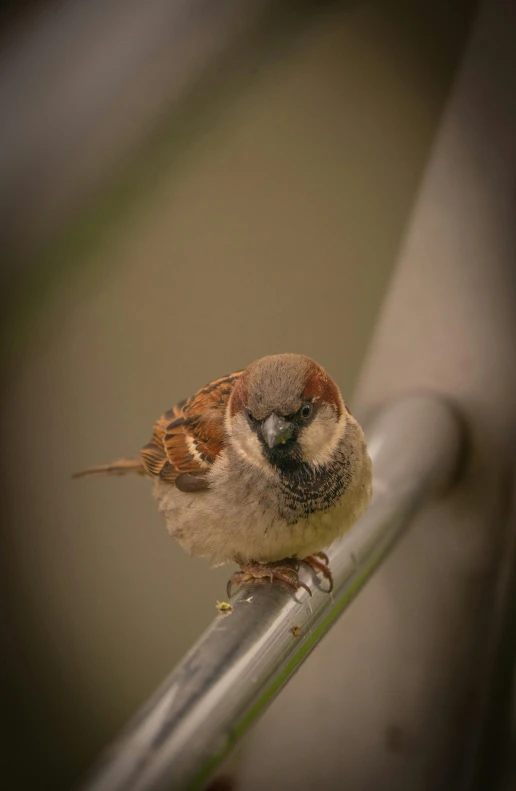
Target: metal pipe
[{"x": 225, "y": 682}]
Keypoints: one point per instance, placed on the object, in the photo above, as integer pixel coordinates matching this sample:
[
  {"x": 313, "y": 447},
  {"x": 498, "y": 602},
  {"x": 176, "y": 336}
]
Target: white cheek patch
[
  {"x": 320, "y": 439},
  {"x": 247, "y": 444}
]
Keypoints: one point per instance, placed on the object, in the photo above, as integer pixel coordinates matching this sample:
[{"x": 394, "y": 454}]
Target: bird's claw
[
  {"x": 319, "y": 562},
  {"x": 322, "y": 556},
  {"x": 287, "y": 575}
]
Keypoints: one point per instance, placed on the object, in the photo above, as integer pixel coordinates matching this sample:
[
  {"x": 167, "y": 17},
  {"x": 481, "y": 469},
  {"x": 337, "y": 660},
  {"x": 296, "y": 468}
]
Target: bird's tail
[{"x": 120, "y": 467}]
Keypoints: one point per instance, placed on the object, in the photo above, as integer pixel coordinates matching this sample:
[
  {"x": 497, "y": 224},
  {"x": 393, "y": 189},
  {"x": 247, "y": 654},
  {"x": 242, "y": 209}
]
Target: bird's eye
[
  {"x": 249, "y": 414},
  {"x": 306, "y": 411}
]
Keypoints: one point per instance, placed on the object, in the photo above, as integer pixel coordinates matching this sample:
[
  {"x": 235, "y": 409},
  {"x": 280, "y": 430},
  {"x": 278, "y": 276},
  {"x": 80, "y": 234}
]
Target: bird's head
[{"x": 285, "y": 410}]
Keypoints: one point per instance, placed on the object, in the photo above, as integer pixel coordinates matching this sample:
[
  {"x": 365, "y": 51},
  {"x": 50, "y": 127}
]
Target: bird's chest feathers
[
  {"x": 246, "y": 514},
  {"x": 305, "y": 490},
  {"x": 290, "y": 494}
]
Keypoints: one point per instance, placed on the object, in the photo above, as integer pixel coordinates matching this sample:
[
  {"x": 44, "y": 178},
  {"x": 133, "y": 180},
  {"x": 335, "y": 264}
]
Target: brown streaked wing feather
[
  {"x": 153, "y": 455},
  {"x": 188, "y": 437},
  {"x": 204, "y": 417}
]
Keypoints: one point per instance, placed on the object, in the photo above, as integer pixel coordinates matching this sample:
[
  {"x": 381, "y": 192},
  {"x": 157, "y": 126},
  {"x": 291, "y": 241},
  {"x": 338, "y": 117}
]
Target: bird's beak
[{"x": 276, "y": 430}]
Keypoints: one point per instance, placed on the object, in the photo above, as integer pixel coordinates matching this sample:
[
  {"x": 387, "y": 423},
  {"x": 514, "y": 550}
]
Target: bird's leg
[
  {"x": 319, "y": 562},
  {"x": 283, "y": 573}
]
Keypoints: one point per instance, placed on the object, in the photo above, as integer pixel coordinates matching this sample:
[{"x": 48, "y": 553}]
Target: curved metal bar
[{"x": 240, "y": 663}]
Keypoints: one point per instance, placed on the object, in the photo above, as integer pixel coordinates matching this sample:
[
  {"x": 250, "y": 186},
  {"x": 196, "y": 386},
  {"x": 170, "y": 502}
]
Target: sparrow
[{"x": 264, "y": 467}]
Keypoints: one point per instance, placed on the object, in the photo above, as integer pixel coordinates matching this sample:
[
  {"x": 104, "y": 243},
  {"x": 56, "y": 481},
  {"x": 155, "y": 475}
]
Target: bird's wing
[{"x": 187, "y": 438}]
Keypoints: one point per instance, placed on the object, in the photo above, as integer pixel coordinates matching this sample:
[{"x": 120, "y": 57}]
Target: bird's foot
[
  {"x": 319, "y": 561},
  {"x": 283, "y": 573}
]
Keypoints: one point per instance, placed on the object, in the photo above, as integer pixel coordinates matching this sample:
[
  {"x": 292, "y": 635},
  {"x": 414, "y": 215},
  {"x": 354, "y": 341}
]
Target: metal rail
[{"x": 225, "y": 682}]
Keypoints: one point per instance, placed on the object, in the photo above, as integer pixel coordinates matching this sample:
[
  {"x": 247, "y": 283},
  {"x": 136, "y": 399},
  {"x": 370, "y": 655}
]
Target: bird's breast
[
  {"x": 245, "y": 515},
  {"x": 307, "y": 490}
]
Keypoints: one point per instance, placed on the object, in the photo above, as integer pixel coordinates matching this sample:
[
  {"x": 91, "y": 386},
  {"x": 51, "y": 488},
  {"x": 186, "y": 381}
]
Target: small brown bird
[{"x": 264, "y": 467}]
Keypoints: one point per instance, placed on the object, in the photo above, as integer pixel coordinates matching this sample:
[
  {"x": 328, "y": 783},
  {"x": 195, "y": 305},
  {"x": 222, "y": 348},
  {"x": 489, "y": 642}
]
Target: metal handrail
[{"x": 241, "y": 662}]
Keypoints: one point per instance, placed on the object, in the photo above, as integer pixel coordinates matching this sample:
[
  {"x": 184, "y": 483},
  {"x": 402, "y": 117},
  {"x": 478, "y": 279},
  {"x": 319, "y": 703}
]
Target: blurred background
[{"x": 184, "y": 187}]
